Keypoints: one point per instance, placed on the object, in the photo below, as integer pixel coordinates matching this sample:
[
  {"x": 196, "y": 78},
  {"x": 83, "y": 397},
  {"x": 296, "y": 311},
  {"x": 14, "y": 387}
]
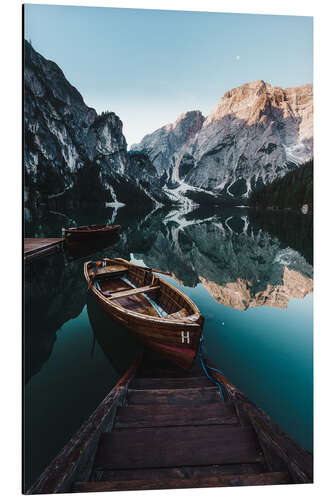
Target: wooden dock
[
  {"x": 163, "y": 428},
  {"x": 36, "y": 247}
]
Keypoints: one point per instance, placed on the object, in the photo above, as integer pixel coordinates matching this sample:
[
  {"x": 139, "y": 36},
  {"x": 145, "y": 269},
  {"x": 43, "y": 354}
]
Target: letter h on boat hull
[{"x": 185, "y": 337}]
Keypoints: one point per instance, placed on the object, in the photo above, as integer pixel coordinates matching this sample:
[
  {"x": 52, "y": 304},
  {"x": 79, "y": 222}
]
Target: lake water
[{"x": 250, "y": 275}]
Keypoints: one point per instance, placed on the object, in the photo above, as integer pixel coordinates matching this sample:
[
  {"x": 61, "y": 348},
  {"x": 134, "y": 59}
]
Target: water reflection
[
  {"x": 231, "y": 262},
  {"x": 117, "y": 343},
  {"x": 240, "y": 265},
  {"x": 54, "y": 293},
  {"x": 237, "y": 262},
  {"x": 73, "y": 357}
]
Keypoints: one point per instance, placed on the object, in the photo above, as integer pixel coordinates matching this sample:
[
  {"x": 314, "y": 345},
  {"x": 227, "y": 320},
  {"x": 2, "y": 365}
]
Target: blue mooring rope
[{"x": 205, "y": 366}]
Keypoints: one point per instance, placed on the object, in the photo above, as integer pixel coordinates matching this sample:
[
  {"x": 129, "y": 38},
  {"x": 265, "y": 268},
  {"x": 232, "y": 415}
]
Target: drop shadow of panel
[
  {"x": 118, "y": 344},
  {"x": 291, "y": 228}
]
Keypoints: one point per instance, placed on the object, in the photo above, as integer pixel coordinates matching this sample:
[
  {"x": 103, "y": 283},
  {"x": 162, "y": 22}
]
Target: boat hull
[
  {"x": 178, "y": 341},
  {"x": 90, "y": 235},
  {"x": 169, "y": 339}
]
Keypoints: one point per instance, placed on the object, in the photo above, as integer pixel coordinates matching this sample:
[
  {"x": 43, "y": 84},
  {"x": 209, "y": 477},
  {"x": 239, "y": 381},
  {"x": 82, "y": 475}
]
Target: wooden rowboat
[
  {"x": 159, "y": 314},
  {"x": 89, "y": 233}
]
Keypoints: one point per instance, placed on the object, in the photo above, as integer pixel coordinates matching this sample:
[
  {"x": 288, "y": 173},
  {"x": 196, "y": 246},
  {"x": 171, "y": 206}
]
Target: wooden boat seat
[
  {"x": 133, "y": 291},
  {"x": 110, "y": 271},
  {"x": 109, "y": 293}
]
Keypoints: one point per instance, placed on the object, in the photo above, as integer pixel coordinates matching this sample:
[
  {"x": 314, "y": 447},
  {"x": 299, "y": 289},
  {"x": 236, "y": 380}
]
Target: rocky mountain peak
[
  {"x": 188, "y": 120},
  {"x": 72, "y": 155},
  {"x": 105, "y": 136},
  {"x": 165, "y": 144},
  {"x": 45, "y": 80},
  {"x": 255, "y": 134},
  {"x": 255, "y": 101}
]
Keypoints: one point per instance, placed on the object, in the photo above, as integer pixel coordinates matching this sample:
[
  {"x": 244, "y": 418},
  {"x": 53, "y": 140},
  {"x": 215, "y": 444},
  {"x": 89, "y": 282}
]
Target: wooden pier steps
[
  {"x": 171, "y": 383},
  {"x": 218, "y": 480},
  {"x": 164, "y": 415},
  {"x": 162, "y": 428},
  {"x": 192, "y": 396},
  {"x": 177, "y": 446},
  {"x": 184, "y": 472},
  {"x": 174, "y": 431}
]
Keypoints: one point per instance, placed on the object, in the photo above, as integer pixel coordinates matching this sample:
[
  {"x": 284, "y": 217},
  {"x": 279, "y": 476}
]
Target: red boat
[{"x": 89, "y": 233}]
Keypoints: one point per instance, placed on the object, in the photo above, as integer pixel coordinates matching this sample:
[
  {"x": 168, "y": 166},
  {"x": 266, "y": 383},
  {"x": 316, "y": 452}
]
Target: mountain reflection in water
[
  {"x": 200, "y": 246},
  {"x": 230, "y": 263},
  {"x": 240, "y": 265}
]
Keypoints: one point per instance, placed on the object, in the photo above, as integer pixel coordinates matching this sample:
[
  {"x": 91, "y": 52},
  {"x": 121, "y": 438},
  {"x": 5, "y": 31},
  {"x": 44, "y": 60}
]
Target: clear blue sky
[{"x": 150, "y": 66}]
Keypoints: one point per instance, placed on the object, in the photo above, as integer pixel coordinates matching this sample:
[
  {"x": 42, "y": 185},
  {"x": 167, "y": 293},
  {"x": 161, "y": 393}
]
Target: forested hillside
[{"x": 293, "y": 190}]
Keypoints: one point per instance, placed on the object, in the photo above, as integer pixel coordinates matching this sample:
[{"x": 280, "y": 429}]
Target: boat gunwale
[
  {"x": 163, "y": 321},
  {"x": 89, "y": 230}
]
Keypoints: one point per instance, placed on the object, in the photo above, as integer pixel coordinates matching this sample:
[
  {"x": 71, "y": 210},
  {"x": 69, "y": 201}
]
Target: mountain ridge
[
  {"x": 72, "y": 155},
  {"x": 255, "y": 134}
]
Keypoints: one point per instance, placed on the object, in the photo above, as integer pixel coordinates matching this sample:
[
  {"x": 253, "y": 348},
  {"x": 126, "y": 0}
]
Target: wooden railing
[{"x": 277, "y": 446}]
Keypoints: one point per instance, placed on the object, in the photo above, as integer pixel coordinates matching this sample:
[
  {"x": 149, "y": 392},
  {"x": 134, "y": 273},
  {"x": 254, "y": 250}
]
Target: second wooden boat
[
  {"x": 89, "y": 233},
  {"x": 159, "y": 314}
]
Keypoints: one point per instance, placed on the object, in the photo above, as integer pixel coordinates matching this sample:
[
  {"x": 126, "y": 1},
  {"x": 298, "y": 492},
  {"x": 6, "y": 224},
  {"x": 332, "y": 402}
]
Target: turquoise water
[
  {"x": 251, "y": 280},
  {"x": 267, "y": 353}
]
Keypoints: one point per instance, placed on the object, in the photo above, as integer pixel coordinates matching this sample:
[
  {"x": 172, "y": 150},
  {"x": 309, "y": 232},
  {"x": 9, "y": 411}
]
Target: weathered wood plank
[
  {"x": 268, "y": 478},
  {"x": 243, "y": 417},
  {"x": 133, "y": 291},
  {"x": 36, "y": 247},
  {"x": 280, "y": 449},
  {"x": 275, "y": 442},
  {"x": 173, "y": 396},
  {"x": 171, "y": 383},
  {"x": 32, "y": 245},
  {"x": 177, "y": 446},
  {"x": 178, "y": 472},
  {"x": 273, "y": 460},
  {"x": 164, "y": 415},
  {"x": 110, "y": 271},
  {"x": 168, "y": 372}
]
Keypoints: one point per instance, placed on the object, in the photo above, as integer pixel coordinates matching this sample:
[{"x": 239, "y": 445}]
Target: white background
[{"x": 11, "y": 245}]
